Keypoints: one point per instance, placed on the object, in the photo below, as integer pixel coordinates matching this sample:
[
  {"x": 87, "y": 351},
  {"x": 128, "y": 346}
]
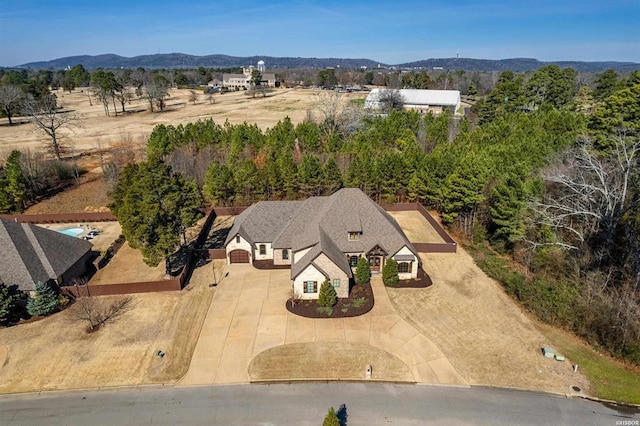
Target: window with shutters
[{"x": 311, "y": 286}]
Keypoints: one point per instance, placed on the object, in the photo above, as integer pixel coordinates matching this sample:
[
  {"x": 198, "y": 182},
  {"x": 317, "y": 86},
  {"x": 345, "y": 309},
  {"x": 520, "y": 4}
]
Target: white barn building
[{"x": 423, "y": 101}]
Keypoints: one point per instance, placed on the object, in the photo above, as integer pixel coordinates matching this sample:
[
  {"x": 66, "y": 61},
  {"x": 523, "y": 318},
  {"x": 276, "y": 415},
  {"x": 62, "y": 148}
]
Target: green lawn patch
[{"x": 610, "y": 379}]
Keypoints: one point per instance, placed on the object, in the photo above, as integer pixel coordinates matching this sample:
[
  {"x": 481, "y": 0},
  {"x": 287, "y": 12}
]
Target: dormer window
[{"x": 354, "y": 236}]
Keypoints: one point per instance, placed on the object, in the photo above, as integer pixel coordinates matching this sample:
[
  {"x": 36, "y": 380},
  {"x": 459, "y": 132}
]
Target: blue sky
[{"x": 386, "y": 31}]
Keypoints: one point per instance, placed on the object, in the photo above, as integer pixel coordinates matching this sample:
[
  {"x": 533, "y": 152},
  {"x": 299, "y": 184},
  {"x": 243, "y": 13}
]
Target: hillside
[{"x": 181, "y": 60}]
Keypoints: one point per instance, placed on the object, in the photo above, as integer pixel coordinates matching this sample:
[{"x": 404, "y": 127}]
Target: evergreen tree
[
  {"x": 606, "y": 84},
  {"x": 331, "y": 176},
  {"x": 8, "y": 303},
  {"x": 152, "y": 203},
  {"x": 331, "y": 419},
  {"x": 44, "y": 302},
  {"x": 16, "y": 186},
  {"x": 363, "y": 271},
  {"x": 310, "y": 175},
  {"x": 390, "y": 273},
  {"x": 219, "y": 184},
  {"x": 288, "y": 173},
  {"x": 327, "y": 297},
  {"x": 416, "y": 190}
]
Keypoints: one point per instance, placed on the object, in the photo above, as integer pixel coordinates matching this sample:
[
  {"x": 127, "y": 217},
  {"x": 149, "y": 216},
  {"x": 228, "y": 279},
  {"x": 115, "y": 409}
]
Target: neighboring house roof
[
  {"x": 31, "y": 254},
  {"x": 322, "y": 224},
  {"x": 268, "y": 76},
  {"x": 413, "y": 97}
]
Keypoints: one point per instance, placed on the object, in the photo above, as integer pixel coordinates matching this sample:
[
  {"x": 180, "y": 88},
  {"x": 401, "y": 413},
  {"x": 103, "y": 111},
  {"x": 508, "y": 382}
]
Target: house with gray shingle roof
[
  {"x": 31, "y": 254},
  {"x": 322, "y": 238}
]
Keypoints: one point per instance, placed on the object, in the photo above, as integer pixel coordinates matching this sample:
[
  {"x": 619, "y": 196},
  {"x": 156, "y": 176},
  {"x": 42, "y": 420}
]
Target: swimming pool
[{"x": 72, "y": 232}]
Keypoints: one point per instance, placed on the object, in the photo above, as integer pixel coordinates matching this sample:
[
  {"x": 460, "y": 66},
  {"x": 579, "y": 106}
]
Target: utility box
[{"x": 548, "y": 352}]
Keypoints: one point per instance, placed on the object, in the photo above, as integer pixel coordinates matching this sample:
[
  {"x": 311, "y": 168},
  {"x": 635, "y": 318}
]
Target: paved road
[{"x": 305, "y": 404}]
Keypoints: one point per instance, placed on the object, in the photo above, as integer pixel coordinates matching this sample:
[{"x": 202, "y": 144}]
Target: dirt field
[
  {"x": 136, "y": 126},
  {"x": 56, "y": 353},
  {"x": 416, "y": 227},
  {"x": 485, "y": 335}
]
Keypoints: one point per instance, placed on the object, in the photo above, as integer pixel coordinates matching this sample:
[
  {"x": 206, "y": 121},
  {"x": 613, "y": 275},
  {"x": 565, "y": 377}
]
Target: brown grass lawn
[
  {"x": 331, "y": 360},
  {"x": 127, "y": 266},
  {"x": 482, "y": 331},
  {"x": 135, "y": 127},
  {"x": 57, "y": 353},
  {"x": 416, "y": 227}
]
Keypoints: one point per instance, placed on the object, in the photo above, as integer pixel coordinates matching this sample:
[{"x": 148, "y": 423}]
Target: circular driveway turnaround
[{"x": 247, "y": 316}]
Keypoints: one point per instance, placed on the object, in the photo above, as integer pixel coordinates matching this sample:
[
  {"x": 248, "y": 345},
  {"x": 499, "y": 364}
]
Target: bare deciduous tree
[
  {"x": 193, "y": 96},
  {"x": 96, "y": 311},
  {"x": 591, "y": 192},
  {"x": 11, "y": 98},
  {"x": 157, "y": 91},
  {"x": 50, "y": 118},
  {"x": 390, "y": 99}
]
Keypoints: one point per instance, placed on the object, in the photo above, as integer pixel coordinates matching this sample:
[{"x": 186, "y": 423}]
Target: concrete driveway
[{"x": 248, "y": 316}]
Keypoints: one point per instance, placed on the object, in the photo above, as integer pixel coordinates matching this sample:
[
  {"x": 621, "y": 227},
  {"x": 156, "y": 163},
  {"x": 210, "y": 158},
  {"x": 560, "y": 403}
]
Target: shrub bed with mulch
[
  {"x": 359, "y": 302},
  {"x": 422, "y": 281}
]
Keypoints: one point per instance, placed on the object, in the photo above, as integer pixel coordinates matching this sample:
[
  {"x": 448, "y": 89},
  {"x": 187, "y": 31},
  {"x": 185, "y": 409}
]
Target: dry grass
[
  {"x": 484, "y": 333},
  {"x": 57, "y": 353},
  {"x": 416, "y": 227},
  {"x": 330, "y": 360},
  {"x": 127, "y": 266},
  {"x": 135, "y": 127}
]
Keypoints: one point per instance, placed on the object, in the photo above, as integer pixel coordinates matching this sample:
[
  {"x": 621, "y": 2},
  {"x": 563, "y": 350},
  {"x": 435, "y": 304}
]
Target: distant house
[
  {"x": 322, "y": 238},
  {"x": 31, "y": 254},
  {"x": 243, "y": 81},
  {"x": 423, "y": 101}
]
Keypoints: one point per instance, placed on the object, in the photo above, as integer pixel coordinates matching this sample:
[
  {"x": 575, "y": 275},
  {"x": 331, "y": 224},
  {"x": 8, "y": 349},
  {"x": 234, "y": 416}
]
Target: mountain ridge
[{"x": 182, "y": 60}]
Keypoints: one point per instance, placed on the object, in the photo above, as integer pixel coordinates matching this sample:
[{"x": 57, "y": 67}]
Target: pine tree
[
  {"x": 331, "y": 176},
  {"x": 327, "y": 297},
  {"x": 331, "y": 419},
  {"x": 16, "y": 186},
  {"x": 363, "y": 271},
  {"x": 8, "y": 301},
  {"x": 44, "y": 302},
  {"x": 390, "y": 273}
]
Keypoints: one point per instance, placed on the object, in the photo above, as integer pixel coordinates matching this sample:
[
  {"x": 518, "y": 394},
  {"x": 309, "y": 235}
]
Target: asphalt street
[{"x": 307, "y": 404}]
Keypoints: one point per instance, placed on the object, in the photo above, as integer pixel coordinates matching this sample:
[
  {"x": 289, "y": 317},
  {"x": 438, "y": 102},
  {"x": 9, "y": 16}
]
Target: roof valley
[{"x": 38, "y": 249}]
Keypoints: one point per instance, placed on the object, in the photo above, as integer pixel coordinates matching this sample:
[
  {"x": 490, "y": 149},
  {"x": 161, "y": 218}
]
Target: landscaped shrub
[
  {"x": 390, "y": 273},
  {"x": 327, "y": 297},
  {"x": 44, "y": 302},
  {"x": 8, "y": 303},
  {"x": 331, "y": 419},
  {"x": 363, "y": 271},
  {"x": 359, "y": 302},
  {"x": 328, "y": 311}
]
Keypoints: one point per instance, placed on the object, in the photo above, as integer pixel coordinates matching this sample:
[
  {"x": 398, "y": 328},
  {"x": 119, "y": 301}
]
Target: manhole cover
[{"x": 576, "y": 389}]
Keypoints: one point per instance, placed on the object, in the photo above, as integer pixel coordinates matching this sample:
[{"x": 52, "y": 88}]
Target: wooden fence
[
  {"x": 62, "y": 217},
  {"x": 173, "y": 284}
]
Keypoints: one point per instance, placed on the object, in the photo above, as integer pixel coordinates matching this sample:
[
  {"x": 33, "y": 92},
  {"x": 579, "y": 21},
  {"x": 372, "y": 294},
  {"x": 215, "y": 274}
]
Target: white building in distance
[
  {"x": 423, "y": 101},
  {"x": 243, "y": 81}
]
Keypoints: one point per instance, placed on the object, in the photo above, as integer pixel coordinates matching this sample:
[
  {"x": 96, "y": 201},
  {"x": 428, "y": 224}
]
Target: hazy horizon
[{"x": 385, "y": 31}]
